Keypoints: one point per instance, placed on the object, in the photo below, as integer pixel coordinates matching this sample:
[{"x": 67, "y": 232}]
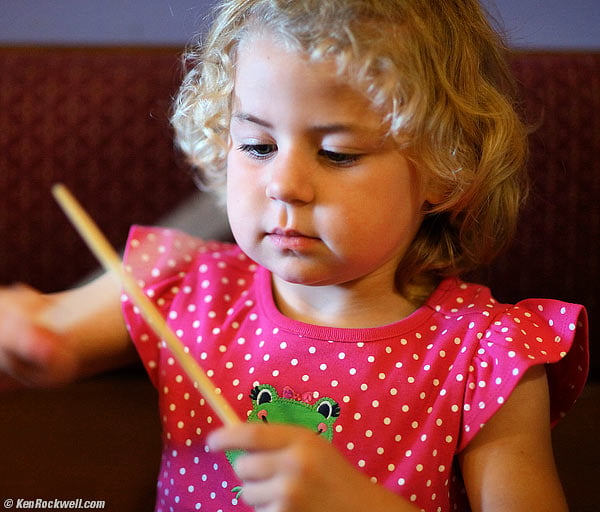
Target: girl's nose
[{"x": 290, "y": 180}]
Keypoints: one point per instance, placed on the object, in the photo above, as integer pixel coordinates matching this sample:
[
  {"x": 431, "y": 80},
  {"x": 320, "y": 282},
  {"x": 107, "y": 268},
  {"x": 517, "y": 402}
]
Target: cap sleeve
[
  {"x": 533, "y": 332},
  {"x": 159, "y": 259}
]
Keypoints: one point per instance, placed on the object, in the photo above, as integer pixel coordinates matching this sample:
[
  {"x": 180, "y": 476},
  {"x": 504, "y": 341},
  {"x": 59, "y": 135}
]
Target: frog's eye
[
  {"x": 264, "y": 396},
  {"x": 328, "y": 408}
]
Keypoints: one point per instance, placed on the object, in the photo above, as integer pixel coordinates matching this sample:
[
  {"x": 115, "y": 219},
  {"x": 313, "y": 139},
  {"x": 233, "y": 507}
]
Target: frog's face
[{"x": 269, "y": 407}]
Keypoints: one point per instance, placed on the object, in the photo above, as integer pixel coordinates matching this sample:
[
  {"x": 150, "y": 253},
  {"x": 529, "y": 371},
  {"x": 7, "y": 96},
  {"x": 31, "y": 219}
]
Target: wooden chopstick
[{"x": 109, "y": 259}]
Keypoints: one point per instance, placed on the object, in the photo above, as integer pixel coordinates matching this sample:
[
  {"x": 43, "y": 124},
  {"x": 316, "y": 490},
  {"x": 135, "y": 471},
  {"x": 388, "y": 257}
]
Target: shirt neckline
[{"x": 268, "y": 307}]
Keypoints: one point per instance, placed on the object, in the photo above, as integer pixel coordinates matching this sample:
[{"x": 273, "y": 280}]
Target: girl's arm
[
  {"x": 47, "y": 340},
  {"x": 509, "y": 465}
]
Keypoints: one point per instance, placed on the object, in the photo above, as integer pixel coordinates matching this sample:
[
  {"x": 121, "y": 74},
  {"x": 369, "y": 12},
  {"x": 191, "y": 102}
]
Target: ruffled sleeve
[
  {"x": 159, "y": 260},
  {"x": 533, "y": 332}
]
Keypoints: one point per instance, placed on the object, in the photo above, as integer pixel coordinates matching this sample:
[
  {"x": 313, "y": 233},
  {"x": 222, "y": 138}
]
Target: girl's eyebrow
[
  {"x": 242, "y": 116},
  {"x": 321, "y": 129}
]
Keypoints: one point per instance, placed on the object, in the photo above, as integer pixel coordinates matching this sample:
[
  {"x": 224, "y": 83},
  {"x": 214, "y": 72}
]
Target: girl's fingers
[
  {"x": 251, "y": 467},
  {"x": 31, "y": 354},
  {"x": 260, "y": 494}
]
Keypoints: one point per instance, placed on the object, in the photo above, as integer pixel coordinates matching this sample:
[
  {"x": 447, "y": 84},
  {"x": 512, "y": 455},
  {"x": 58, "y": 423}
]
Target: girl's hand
[
  {"x": 289, "y": 468},
  {"x": 48, "y": 340},
  {"x": 30, "y": 352}
]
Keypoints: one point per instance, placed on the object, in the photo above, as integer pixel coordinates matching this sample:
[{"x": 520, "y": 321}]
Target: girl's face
[{"x": 316, "y": 192}]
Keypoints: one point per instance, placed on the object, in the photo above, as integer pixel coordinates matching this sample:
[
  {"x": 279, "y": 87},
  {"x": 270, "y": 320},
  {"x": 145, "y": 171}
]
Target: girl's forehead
[
  {"x": 274, "y": 83},
  {"x": 262, "y": 36},
  {"x": 336, "y": 70},
  {"x": 256, "y": 46},
  {"x": 264, "y": 60}
]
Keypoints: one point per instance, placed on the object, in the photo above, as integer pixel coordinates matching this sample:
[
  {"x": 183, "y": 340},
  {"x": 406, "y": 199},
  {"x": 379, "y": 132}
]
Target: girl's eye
[
  {"x": 340, "y": 158},
  {"x": 258, "y": 151}
]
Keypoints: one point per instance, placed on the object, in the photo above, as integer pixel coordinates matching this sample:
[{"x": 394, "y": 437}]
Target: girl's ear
[
  {"x": 433, "y": 198},
  {"x": 433, "y": 192},
  {"x": 431, "y": 188}
]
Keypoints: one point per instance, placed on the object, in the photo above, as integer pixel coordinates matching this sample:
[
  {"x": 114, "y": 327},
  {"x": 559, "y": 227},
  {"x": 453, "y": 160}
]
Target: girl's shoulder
[
  {"x": 162, "y": 254},
  {"x": 505, "y": 340},
  {"x": 459, "y": 301},
  {"x": 184, "y": 277}
]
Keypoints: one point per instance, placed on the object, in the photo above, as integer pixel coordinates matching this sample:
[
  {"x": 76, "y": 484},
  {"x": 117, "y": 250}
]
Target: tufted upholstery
[
  {"x": 96, "y": 119},
  {"x": 557, "y": 250}
]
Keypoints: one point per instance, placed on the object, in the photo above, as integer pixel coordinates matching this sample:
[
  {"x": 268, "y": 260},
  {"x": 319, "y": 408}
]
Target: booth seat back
[{"x": 97, "y": 120}]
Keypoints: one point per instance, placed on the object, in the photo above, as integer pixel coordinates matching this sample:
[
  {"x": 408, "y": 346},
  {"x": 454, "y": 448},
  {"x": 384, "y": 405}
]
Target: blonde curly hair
[{"x": 438, "y": 70}]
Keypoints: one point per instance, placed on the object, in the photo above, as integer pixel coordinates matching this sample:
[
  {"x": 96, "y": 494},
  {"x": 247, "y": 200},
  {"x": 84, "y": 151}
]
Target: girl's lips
[{"x": 290, "y": 239}]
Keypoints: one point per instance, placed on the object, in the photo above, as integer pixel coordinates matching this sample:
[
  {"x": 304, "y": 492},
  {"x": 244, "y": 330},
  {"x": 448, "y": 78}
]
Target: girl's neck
[{"x": 345, "y": 306}]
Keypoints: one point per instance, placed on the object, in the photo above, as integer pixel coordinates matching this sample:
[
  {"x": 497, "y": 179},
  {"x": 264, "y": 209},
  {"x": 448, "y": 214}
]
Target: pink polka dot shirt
[{"x": 402, "y": 399}]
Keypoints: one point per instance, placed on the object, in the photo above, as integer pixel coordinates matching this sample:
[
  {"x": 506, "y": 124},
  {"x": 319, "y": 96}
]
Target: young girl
[{"x": 368, "y": 156}]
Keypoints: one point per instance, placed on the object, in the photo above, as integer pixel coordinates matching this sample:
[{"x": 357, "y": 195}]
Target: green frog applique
[{"x": 318, "y": 415}]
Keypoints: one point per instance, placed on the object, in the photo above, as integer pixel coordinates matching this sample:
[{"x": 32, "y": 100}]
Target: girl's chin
[
  {"x": 300, "y": 277},
  {"x": 294, "y": 267}
]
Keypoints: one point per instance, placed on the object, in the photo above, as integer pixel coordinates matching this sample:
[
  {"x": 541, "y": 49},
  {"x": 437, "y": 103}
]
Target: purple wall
[{"x": 529, "y": 23}]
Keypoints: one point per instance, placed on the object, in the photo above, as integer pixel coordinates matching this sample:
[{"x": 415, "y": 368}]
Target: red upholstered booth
[{"x": 97, "y": 120}]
